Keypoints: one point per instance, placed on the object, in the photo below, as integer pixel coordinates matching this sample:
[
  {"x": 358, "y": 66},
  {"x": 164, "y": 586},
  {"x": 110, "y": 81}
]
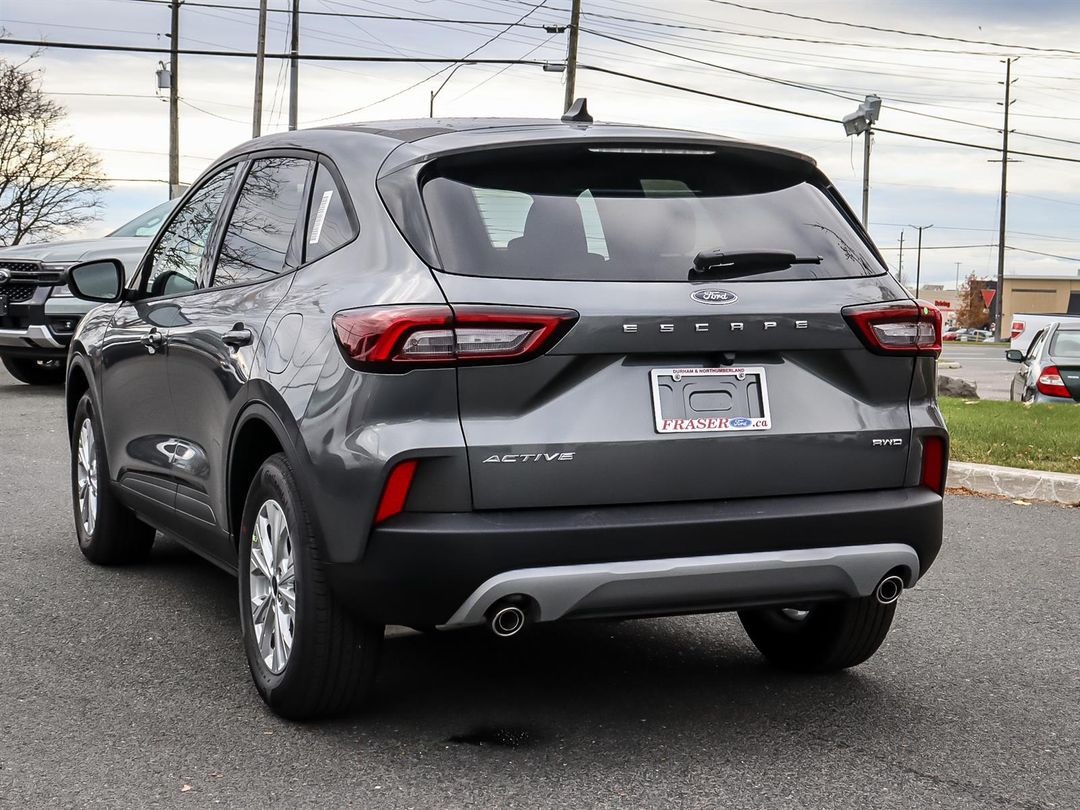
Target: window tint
[
  {"x": 632, "y": 214},
  {"x": 174, "y": 264},
  {"x": 328, "y": 223},
  {"x": 262, "y": 223}
]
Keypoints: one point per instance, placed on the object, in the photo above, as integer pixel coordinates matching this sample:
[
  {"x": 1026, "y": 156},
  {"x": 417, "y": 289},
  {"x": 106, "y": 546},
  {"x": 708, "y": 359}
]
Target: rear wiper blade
[{"x": 716, "y": 262}]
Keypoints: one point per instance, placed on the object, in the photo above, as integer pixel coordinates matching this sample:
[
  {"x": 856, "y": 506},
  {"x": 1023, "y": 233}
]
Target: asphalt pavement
[
  {"x": 128, "y": 687},
  {"x": 983, "y": 364}
]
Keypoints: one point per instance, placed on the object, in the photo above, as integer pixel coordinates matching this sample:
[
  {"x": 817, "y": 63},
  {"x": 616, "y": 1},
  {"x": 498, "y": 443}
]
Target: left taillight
[
  {"x": 904, "y": 328},
  {"x": 1051, "y": 384},
  {"x": 397, "y": 338}
]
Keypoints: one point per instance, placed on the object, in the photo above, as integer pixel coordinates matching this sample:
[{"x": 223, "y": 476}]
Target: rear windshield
[
  {"x": 1066, "y": 344},
  {"x": 598, "y": 213}
]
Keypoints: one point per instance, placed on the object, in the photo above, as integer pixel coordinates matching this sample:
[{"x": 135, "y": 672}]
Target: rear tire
[
  {"x": 309, "y": 658},
  {"x": 109, "y": 533},
  {"x": 823, "y": 637},
  {"x": 34, "y": 372}
]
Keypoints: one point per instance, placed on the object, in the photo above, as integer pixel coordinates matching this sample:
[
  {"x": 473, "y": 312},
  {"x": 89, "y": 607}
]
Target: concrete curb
[{"x": 1012, "y": 482}]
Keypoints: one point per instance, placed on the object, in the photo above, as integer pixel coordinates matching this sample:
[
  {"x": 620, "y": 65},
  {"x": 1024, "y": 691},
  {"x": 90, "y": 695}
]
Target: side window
[
  {"x": 261, "y": 227},
  {"x": 1033, "y": 349},
  {"x": 174, "y": 264},
  {"x": 328, "y": 223}
]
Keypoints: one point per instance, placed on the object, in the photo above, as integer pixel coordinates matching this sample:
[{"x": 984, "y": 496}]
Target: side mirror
[
  {"x": 100, "y": 280},
  {"x": 1014, "y": 356}
]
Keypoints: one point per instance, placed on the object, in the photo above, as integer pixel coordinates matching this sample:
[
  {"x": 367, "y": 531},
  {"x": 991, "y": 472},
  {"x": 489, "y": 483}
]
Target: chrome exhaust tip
[
  {"x": 889, "y": 589},
  {"x": 507, "y": 620}
]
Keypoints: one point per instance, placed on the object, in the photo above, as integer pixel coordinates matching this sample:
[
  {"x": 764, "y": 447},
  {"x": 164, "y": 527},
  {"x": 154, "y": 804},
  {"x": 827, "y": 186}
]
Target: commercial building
[{"x": 1044, "y": 294}]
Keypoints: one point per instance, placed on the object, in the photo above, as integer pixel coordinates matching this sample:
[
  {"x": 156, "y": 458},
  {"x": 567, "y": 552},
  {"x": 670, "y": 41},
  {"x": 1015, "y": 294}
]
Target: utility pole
[
  {"x": 260, "y": 63},
  {"x": 174, "y": 100},
  {"x": 999, "y": 294},
  {"x": 294, "y": 64},
  {"x": 571, "y": 55},
  {"x": 900, "y": 263},
  {"x": 918, "y": 257},
  {"x": 958, "y": 276},
  {"x": 866, "y": 176}
]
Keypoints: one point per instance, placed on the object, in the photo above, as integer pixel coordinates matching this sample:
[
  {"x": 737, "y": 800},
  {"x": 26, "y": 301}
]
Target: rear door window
[
  {"x": 596, "y": 214},
  {"x": 256, "y": 243}
]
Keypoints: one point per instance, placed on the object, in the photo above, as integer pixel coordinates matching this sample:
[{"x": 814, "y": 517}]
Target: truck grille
[{"x": 17, "y": 293}]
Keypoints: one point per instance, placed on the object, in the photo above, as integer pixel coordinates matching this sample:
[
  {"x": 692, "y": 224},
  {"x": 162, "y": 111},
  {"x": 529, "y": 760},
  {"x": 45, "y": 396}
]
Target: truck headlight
[{"x": 60, "y": 290}]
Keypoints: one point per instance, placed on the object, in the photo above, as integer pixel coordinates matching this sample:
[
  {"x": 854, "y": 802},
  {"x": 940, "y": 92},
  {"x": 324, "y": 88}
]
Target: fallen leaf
[
  {"x": 216, "y": 775},
  {"x": 185, "y": 788},
  {"x": 1022, "y": 503}
]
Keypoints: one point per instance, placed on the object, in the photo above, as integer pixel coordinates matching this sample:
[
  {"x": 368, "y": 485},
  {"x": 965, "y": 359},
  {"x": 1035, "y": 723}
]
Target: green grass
[{"x": 1011, "y": 434}]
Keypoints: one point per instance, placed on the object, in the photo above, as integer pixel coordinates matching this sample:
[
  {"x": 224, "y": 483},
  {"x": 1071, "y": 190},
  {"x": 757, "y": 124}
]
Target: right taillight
[
  {"x": 904, "y": 328},
  {"x": 1051, "y": 384},
  {"x": 1017, "y": 329},
  {"x": 933, "y": 463},
  {"x": 397, "y": 338}
]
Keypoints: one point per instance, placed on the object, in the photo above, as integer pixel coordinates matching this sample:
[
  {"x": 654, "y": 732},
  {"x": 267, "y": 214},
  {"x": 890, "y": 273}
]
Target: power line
[
  {"x": 311, "y": 57},
  {"x": 881, "y": 29},
  {"x": 353, "y": 15},
  {"x": 815, "y": 117}
]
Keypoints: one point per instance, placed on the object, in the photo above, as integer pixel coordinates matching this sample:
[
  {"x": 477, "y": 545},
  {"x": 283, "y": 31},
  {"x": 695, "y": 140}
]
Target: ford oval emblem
[
  {"x": 5, "y": 277},
  {"x": 740, "y": 422},
  {"x": 714, "y": 296}
]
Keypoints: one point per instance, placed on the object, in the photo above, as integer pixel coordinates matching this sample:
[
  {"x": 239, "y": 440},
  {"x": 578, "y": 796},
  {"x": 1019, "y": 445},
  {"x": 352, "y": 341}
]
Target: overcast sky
[{"x": 113, "y": 107}]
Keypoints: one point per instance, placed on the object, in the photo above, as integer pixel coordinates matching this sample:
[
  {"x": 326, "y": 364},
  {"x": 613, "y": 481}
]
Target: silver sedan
[{"x": 1050, "y": 370}]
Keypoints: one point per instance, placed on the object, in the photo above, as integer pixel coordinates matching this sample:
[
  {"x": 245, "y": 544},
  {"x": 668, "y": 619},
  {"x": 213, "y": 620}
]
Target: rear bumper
[{"x": 435, "y": 568}]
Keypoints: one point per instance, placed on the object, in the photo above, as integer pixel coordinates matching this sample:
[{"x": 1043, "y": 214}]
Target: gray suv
[{"x": 447, "y": 373}]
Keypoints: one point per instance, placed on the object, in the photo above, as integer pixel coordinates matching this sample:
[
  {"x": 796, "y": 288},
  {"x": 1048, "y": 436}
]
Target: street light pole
[
  {"x": 999, "y": 294},
  {"x": 866, "y": 177},
  {"x": 900, "y": 263},
  {"x": 918, "y": 257}
]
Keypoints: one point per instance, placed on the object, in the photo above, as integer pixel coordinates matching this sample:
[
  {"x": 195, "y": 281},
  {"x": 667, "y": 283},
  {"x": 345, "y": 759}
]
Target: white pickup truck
[{"x": 1026, "y": 325}]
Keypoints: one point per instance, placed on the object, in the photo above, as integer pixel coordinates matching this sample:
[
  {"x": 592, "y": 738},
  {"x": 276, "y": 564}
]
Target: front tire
[
  {"x": 109, "y": 533},
  {"x": 308, "y": 657},
  {"x": 822, "y": 637},
  {"x": 34, "y": 372}
]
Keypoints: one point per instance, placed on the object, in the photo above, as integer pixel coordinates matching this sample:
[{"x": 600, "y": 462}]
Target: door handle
[{"x": 238, "y": 336}]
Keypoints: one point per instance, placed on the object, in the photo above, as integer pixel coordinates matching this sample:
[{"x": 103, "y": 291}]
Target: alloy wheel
[
  {"x": 272, "y": 586},
  {"x": 87, "y": 478}
]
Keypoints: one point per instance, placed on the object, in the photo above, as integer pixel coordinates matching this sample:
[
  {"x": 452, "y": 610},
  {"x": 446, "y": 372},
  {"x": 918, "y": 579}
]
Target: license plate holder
[{"x": 710, "y": 400}]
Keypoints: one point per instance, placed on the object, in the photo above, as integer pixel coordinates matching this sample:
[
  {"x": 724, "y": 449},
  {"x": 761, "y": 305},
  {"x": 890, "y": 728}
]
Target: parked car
[
  {"x": 1050, "y": 369},
  {"x": 499, "y": 372},
  {"x": 38, "y": 314},
  {"x": 1026, "y": 325}
]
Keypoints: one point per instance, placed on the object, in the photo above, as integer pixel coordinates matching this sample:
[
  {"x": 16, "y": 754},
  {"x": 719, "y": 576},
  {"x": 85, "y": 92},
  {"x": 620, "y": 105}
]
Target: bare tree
[{"x": 49, "y": 183}]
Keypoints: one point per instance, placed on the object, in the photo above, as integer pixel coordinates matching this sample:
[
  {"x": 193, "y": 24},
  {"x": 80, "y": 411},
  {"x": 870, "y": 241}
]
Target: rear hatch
[{"x": 741, "y": 378}]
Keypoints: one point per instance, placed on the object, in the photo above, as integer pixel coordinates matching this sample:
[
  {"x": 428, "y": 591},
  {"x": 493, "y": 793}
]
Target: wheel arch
[
  {"x": 78, "y": 384},
  {"x": 259, "y": 432}
]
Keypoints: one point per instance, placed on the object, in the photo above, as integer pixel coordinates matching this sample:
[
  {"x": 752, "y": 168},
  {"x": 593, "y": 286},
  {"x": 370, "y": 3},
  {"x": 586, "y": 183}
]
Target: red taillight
[
  {"x": 396, "y": 490},
  {"x": 933, "y": 463},
  {"x": 1051, "y": 384},
  {"x": 1017, "y": 329},
  {"x": 898, "y": 327},
  {"x": 394, "y": 337}
]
